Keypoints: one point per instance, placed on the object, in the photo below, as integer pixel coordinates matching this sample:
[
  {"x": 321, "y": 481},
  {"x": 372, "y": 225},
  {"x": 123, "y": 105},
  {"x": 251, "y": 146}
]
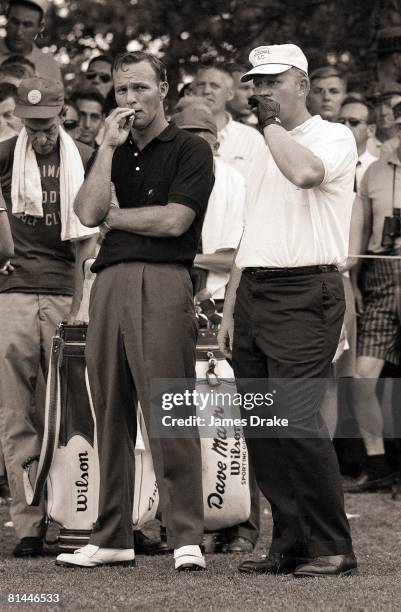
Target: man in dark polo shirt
[
  {"x": 142, "y": 324},
  {"x": 42, "y": 283}
]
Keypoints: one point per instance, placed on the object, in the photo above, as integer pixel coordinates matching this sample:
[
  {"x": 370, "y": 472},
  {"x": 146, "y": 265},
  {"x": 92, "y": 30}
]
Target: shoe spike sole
[
  {"x": 347, "y": 573},
  {"x": 131, "y": 563}
]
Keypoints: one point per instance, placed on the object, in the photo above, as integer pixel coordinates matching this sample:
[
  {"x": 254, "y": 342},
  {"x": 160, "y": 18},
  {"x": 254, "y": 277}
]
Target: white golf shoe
[
  {"x": 189, "y": 559},
  {"x": 94, "y": 556}
]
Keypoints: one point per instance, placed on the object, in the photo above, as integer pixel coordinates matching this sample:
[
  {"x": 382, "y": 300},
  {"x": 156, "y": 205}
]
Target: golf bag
[
  {"x": 225, "y": 468},
  {"x": 68, "y": 465}
]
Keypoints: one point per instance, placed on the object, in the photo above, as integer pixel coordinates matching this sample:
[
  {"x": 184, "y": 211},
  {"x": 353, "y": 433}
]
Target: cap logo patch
[
  {"x": 260, "y": 56},
  {"x": 34, "y": 96}
]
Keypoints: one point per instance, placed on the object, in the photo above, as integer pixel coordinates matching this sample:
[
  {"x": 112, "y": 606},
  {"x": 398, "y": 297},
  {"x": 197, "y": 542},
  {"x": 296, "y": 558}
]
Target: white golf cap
[{"x": 273, "y": 59}]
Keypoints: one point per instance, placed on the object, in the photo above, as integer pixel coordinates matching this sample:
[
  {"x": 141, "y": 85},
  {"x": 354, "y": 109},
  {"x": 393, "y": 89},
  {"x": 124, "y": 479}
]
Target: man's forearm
[
  {"x": 93, "y": 200},
  {"x": 84, "y": 249},
  {"x": 299, "y": 165},
  {"x": 215, "y": 262},
  {"x": 231, "y": 291},
  {"x": 167, "y": 221}
]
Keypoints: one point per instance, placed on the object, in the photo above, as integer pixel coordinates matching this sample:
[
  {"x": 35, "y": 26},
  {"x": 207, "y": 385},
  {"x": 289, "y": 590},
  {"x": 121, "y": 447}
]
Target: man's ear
[
  {"x": 230, "y": 94},
  {"x": 163, "y": 89},
  {"x": 304, "y": 86}
]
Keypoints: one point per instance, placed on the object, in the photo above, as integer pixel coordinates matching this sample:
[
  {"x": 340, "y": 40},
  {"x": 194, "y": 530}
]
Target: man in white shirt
[
  {"x": 238, "y": 106},
  {"x": 289, "y": 308},
  {"x": 240, "y": 145},
  {"x": 360, "y": 116}
]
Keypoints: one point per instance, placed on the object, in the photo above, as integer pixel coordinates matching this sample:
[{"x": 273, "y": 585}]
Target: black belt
[{"x": 261, "y": 273}]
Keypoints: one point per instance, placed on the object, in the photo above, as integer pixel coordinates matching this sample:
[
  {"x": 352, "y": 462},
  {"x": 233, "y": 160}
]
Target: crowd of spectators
[{"x": 215, "y": 105}]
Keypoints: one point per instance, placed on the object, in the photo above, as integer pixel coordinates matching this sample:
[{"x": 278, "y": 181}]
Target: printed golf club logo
[
  {"x": 260, "y": 55},
  {"x": 34, "y": 96}
]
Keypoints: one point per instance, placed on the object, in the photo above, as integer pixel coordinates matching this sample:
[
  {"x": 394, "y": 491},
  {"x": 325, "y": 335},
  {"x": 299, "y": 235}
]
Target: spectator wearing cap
[
  {"x": 238, "y": 106},
  {"x": 90, "y": 105},
  {"x": 328, "y": 87},
  {"x": 25, "y": 21},
  {"x": 288, "y": 299},
  {"x": 379, "y": 331},
  {"x": 240, "y": 145},
  {"x": 41, "y": 172},
  {"x": 384, "y": 99}
]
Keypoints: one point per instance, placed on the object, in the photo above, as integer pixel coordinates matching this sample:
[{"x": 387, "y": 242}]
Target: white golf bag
[
  {"x": 225, "y": 469},
  {"x": 68, "y": 464}
]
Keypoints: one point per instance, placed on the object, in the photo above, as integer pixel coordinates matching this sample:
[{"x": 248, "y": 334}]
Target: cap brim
[
  {"x": 37, "y": 112},
  {"x": 264, "y": 69}
]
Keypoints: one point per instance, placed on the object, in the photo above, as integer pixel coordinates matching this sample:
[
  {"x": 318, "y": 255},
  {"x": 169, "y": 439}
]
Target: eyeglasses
[
  {"x": 105, "y": 78},
  {"x": 351, "y": 122},
  {"x": 70, "y": 125}
]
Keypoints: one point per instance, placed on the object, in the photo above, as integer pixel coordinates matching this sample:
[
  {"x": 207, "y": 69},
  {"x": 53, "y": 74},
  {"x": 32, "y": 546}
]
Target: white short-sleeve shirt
[
  {"x": 240, "y": 145},
  {"x": 224, "y": 220},
  {"x": 286, "y": 226}
]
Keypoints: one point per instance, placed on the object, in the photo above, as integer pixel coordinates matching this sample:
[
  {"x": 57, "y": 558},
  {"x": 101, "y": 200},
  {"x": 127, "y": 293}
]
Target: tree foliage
[{"x": 185, "y": 32}]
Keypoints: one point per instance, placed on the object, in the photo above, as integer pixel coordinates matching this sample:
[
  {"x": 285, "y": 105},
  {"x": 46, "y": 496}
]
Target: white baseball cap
[{"x": 273, "y": 59}]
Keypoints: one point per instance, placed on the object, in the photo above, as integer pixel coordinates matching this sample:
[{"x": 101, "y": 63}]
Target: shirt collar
[
  {"x": 392, "y": 158},
  {"x": 169, "y": 133},
  {"x": 306, "y": 125},
  {"x": 225, "y": 129},
  {"x": 367, "y": 156}
]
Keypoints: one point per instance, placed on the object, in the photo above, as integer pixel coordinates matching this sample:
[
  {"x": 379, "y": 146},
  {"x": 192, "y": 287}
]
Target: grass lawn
[{"x": 153, "y": 584}]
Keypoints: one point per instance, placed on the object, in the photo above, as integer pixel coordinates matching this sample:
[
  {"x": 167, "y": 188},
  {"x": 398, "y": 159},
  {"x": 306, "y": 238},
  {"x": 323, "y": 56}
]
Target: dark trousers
[
  {"x": 142, "y": 328},
  {"x": 288, "y": 328},
  {"x": 250, "y": 528}
]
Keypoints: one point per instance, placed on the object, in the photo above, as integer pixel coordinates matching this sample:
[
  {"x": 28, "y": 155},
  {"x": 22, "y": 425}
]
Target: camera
[{"x": 391, "y": 229}]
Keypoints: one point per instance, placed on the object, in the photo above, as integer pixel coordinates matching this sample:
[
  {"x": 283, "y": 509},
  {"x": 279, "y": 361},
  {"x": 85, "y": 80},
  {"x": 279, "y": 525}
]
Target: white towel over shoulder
[{"x": 26, "y": 187}]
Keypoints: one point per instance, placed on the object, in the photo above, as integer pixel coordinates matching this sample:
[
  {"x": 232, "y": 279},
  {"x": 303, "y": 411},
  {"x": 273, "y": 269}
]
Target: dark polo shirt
[{"x": 176, "y": 166}]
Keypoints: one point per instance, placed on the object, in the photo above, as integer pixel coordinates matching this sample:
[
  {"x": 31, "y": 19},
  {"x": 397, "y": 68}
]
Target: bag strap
[{"x": 36, "y": 469}]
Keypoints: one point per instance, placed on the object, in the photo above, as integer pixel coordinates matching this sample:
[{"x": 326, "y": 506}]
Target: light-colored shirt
[
  {"x": 382, "y": 185},
  {"x": 286, "y": 226},
  {"x": 382, "y": 149},
  {"x": 45, "y": 64},
  {"x": 224, "y": 221},
  {"x": 365, "y": 160},
  {"x": 240, "y": 145}
]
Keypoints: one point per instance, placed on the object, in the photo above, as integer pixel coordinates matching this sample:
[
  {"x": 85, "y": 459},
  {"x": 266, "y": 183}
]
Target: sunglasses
[
  {"x": 105, "y": 78},
  {"x": 351, "y": 122},
  {"x": 70, "y": 125}
]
